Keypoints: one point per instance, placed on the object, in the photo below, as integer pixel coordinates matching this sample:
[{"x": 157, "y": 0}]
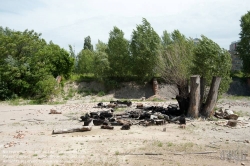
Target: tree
[
  {"x": 118, "y": 54},
  {"x": 73, "y": 55},
  {"x": 85, "y": 61},
  {"x": 17, "y": 52},
  {"x": 166, "y": 39},
  {"x": 87, "y": 44},
  {"x": 101, "y": 63},
  {"x": 243, "y": 47},
  {"x": 58, "y": 60},
  {"x": 25, "y": 60},
  {"x": 211, "y": 60},
  {"x": 144, "y": 48},
  {"x": 176, "y": 60}
]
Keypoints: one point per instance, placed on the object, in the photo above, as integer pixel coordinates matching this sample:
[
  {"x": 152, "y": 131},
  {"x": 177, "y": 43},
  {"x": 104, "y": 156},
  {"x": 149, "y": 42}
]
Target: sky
[{"x": 69, "y": 21}]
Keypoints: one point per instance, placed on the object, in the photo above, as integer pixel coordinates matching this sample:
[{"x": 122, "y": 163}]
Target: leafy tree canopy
[
  {"x": 144, "y": 48},
  {"x": 211, "y": 60},
  {"x": 101, "y": 63},
  {"x": 118, "y": 54},
  {"x": 243, "y": 46},
  {"x": 87, "y": 44},
  {"x": 26, "y": 59}
]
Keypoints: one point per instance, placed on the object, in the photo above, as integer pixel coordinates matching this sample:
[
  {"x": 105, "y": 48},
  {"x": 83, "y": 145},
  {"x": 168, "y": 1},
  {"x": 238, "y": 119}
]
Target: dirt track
[{"x": 137, "y": 146}]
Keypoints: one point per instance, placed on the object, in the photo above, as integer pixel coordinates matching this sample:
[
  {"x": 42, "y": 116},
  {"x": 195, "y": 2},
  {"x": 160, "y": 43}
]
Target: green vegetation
[
  {"x": 29, "y": 65},
  {"x": 145, "y": 44},
  {"x": 243, "y": 46},
  {"x": 211, "y": 60}
]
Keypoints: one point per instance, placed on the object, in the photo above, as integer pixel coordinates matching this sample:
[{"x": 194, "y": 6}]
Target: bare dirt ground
[{"x": 26, "y": 138}]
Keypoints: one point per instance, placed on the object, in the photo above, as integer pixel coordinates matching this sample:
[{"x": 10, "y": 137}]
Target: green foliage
[
  {"x": 5, "y": 93},
  {"x": 118, "y": 54},
  {"x": 82, "y": 77},
  {"x": 87, "y": 44},
  {"x": 144, "y": 47},
  {"x": 101, "y": 63},
  {"x": 237, "y": 74},
  {"x": 176, "y": 60},
  {"x": 101, "y": 93},
  {"x": 58, "y": 61},
  {"x": 45, "y": 88},
  {"x": 111, "y": 84},
  {"x": 71, "y": 93},
  {"x": 166, "y": 39},
  {"x": 85, "y": 62},
  {"x": 26, "y": 60},
  {"x": 211, "y": 60},
  {"x": 243, "y": 46}
]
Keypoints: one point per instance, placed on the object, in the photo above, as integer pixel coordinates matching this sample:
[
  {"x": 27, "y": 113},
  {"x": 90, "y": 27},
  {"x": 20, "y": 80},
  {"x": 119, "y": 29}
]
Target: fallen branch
[
  {"x": 216, "y": 147},
  {"x": 79, "y": 129},
  {"x": 207, "y": 152},
  {"x": 141, "y": 154}
]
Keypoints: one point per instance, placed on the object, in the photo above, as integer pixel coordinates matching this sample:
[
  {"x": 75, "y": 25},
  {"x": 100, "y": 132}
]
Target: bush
[
  {"x": 4, "y": 91},
  {"x": 45, "y": 88}
]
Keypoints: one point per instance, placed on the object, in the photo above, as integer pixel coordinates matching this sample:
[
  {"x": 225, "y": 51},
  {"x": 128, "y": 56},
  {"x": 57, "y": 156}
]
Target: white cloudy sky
[{"x": 70, "y": 21}]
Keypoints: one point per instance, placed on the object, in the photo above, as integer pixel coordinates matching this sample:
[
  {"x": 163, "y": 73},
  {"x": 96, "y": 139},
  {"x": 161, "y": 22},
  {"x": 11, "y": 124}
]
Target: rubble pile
[{"x": 140, "y": 115}]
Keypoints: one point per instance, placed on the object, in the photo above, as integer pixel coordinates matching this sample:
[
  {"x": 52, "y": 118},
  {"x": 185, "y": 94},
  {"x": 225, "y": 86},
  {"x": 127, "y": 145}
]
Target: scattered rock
[
  {"x": 232, "y": 123},
  {"x": 246, "y": 141}
]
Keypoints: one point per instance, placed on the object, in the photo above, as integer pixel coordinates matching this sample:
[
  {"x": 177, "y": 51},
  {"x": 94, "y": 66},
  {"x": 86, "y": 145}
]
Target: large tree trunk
[
  {"x": 194, "y": 105},
  {"x": 183, "y": 97},
  {"x": 212, "y": 97}
]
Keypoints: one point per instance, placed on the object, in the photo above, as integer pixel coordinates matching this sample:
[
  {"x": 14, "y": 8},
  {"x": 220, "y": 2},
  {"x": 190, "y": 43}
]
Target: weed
[
  {"x": 71, "y": 93},
  {"x": 158, "y": 143},
  {"x": 170, "y": 144},
  {"x": 117, "y": 153},
  {"x": 101, "y": 93}
]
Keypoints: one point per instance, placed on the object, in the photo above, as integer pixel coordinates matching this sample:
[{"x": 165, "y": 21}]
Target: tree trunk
[
  {"x": 212, "y": 97},
  {"x": 194, "y": 105},
  {"x": 202, "y": 91},
  {"x": 183, "y": 97},
  {"x": 72, "y": 130}
]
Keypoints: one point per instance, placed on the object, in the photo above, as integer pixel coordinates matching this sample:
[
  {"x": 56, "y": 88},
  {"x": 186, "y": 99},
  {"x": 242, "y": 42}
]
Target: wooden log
[
  {"x": 107, "y": 127},
  {"x": 72, "y": 130},
  {"x": 194, "y": 105},
  {"x": 212, "y": 97}
]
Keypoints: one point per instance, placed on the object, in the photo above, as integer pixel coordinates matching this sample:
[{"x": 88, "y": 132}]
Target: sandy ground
[{"x": 137, "y": 146}]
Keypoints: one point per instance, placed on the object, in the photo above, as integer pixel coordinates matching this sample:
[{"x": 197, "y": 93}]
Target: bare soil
[{"x": 26, "y": 138}]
